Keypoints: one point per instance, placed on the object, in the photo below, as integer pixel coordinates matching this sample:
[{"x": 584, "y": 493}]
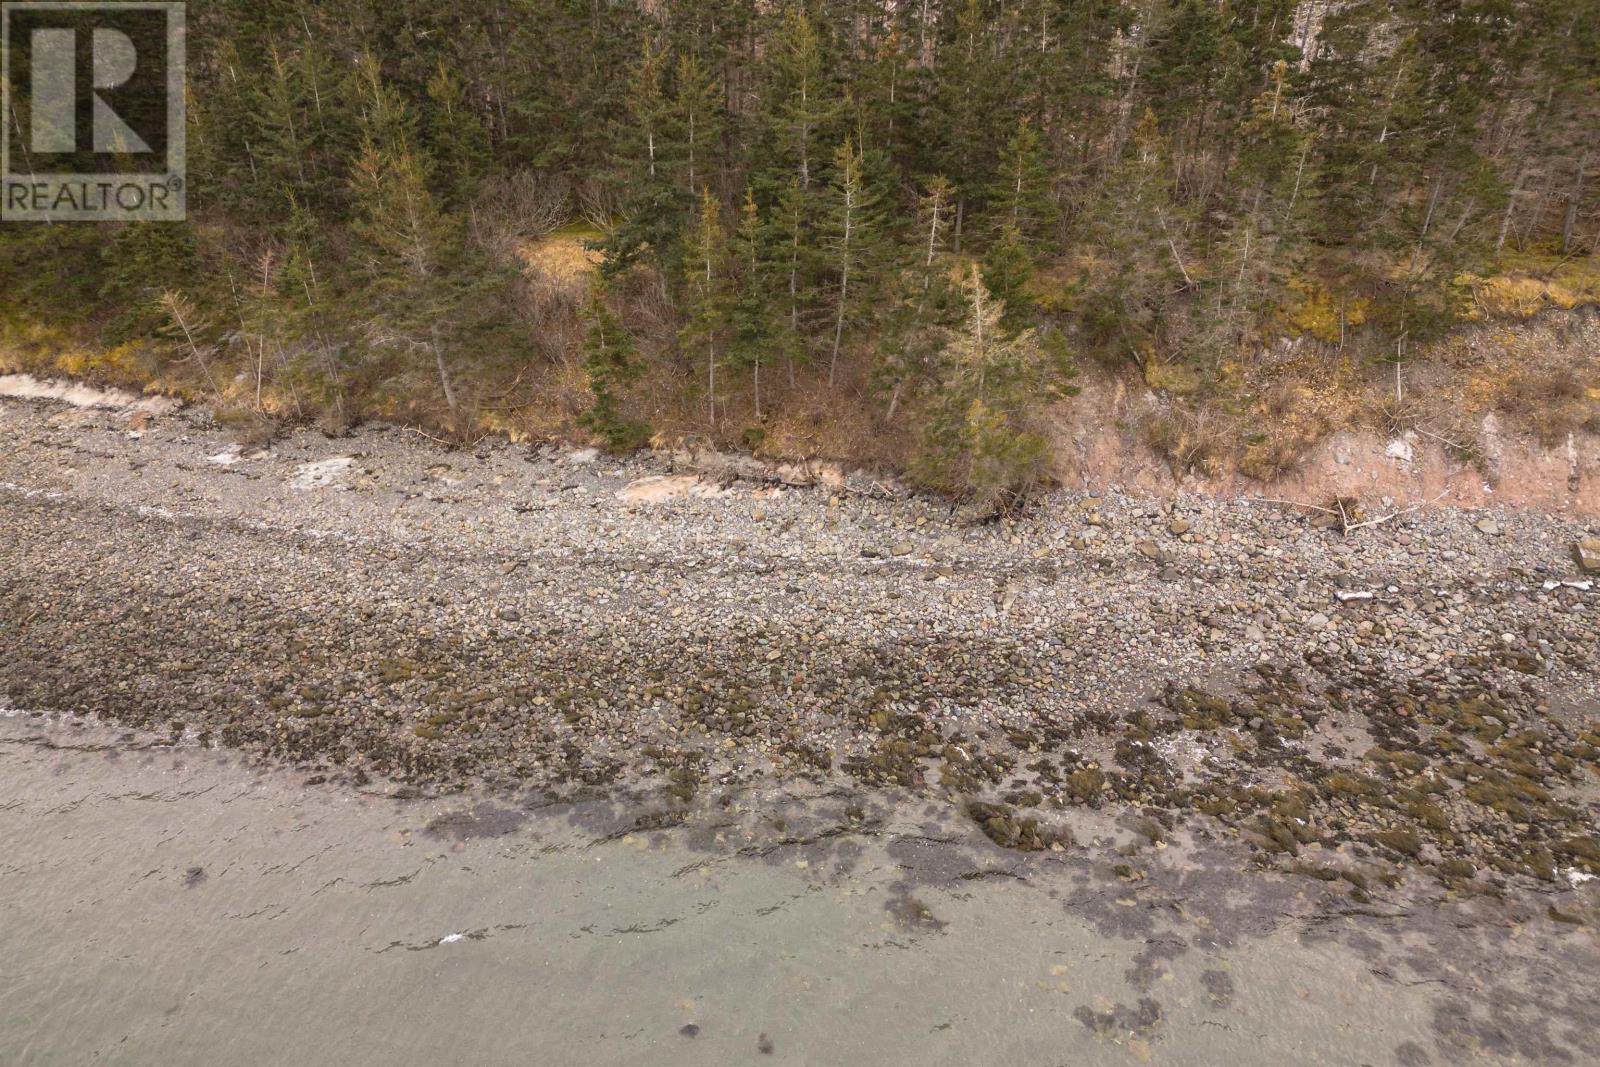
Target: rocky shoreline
[{"x": 1416, "y": 698}]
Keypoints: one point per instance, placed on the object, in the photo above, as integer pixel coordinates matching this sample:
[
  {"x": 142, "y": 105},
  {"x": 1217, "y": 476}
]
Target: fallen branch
[
  {"x": 1345, "y": 525},
  {"x": 431, "y": 437},
  {"x": 1350, "y": 528}
]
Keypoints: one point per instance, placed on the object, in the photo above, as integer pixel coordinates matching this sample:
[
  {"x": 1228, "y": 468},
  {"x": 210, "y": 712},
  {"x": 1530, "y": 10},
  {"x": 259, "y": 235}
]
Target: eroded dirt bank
[{"x": 1382, "y": 725}]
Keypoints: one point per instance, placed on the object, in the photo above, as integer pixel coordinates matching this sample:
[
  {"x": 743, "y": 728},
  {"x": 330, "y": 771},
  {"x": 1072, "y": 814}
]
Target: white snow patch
[
  {"x": 1345, "y": 597},
  {"x": 1575, "y": 877},
  {"x": 450, "y": 939},
  {"x": 320, "y": 474},
  {"x": 27, "y": 387}
]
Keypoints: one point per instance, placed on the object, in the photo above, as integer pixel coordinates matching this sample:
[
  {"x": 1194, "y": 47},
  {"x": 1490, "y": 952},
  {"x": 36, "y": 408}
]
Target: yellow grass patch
[
  {"x": 1530, "y": 287},
  {"x": 562, "y": 255},
  {"x": 1323, "y": 313},
  {"x": 1171, "y": 376}
]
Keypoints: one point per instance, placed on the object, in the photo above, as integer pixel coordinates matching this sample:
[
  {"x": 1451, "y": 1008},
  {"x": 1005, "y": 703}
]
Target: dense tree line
[{"x": 927, "y": 202}]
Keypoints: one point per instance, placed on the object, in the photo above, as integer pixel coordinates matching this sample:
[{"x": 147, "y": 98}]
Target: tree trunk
[
  {"x": 1511, "y": 207},
  {"x": 844, "y": 282},
  {"x": 1570, "y": 221},
  {"x": 838, "y": 325},
  {"x": 444, "y": 378},
  {"x": 711, "y": 382}
]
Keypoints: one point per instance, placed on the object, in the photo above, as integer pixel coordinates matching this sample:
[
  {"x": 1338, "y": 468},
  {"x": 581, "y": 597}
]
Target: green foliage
[
  {"x": 696, "y": 121},
  {"x": 706, "y": 294},
  {"x": 456, "y": 139},
  {"x": 431, "y": 299},
  {"x": 1135, "y": 226},
  {"x": 610, "y": 362},
  {"x": 757, "y": 326},
  {"x": 1007, "y": 269},
  {"x": 801, "y": 104},
  {"x": 1020, "y": 195},
  {"x": 853, "y": 239},
  {"x": 977, "y": 438},
  {"x": 1159, "y": 181},
  {"x": 641, "y": 143},
  {"x": 54, "y": 277},
  {"x": 142, "y": 260}
]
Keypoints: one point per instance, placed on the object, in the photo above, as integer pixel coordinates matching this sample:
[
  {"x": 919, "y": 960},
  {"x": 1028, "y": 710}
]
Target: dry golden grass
[
  {"x": 1321, "y": 313},
  {"x": 562, "y": 255},
  {"x": 1529, "y": 286}
]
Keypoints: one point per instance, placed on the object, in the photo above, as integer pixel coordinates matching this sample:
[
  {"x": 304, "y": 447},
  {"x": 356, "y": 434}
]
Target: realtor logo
[{"x": 93, "y": 124}]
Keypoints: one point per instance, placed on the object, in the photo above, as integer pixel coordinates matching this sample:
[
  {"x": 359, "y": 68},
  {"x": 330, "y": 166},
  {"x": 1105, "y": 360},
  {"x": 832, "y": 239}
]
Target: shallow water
[{"x": 186, "y": 905}]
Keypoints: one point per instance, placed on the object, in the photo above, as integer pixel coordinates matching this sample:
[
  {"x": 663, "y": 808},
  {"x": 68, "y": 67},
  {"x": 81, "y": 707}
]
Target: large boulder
[{"x": 1587, "y": 554}]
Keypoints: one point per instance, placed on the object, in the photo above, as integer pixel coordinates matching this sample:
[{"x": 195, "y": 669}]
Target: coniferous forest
[{"x": 896, "y": 230}]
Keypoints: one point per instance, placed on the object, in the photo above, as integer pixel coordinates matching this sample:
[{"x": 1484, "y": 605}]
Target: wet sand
[{"x": 185, "y": 905}]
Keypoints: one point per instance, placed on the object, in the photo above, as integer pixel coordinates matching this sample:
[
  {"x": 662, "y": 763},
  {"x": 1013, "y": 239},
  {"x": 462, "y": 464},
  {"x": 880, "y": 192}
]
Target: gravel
[{"x": 514, "y": 615}]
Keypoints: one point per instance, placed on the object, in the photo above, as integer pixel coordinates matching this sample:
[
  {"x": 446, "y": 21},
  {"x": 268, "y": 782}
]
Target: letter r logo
[{"x": 55, "y": 98}]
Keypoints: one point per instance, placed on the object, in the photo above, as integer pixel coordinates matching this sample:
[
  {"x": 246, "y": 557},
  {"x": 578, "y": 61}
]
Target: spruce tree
[
  {"x": 1007, "y": 268},
  {"x": 756, "y": 328},
  {"x": 455, "y": 139},
  {"x": 696, "y": 114},
  {"x": 1020, "y": 195},
  {"x": 706, "y": 294},
  {"x": 610, "y": 362},
  {"x": 799, "y": 104},
  {"x": 976, "y": 438},
  {"x": 852, "y": 228},
  {"x": 141, "y": 261},
  {"x": 426, "y": 288},
  {"x": 798, "y": 256},
  {"x": 645, "y": 141}
]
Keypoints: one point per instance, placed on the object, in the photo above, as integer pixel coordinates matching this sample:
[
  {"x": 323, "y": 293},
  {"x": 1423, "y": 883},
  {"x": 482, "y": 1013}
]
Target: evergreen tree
[
  {"x": 696, "y": 114},
  {"x": 976, "y": 439},
  {"x": 284, "y": 135},
  {"x": 971, "y": 99},
  {"x": 610, "y": 362},
  {"x": 1007, "y": 269},
  {"x": 799, "y": 102},
  {"x": 852, "y": 239},
  {"x": 756, "y": 328},
  {"x": 706, "y": 293},
  {"x": 798, "y": 257},
  {"x": 1134, "y": 224},
  {"x": 425, "y": 286},
  {"x": 1216, "y": 167},
  {"x": 141, "y": 261},
  {"x": 645, "y": 142},
  {"x": 923, "y": 307},
  {"x": 456, "y": 139},
  {"x": 1019, "y": 197},
  {"x": 1268, "y": 219}
]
